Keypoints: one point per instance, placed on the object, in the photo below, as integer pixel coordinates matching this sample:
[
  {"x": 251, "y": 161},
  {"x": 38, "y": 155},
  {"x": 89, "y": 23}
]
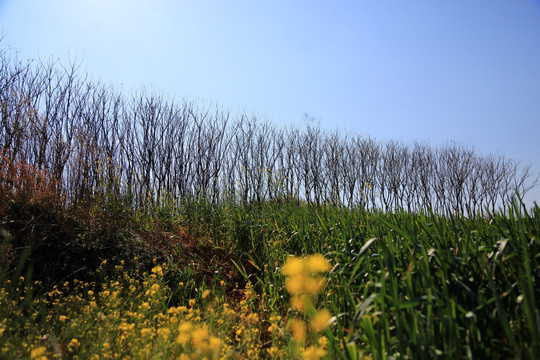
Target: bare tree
[{"x": 96, "y": 142}]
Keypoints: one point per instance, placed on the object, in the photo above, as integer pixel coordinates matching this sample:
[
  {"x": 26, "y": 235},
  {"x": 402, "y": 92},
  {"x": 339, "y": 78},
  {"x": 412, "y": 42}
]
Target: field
[{"x": 270, "y": 280}]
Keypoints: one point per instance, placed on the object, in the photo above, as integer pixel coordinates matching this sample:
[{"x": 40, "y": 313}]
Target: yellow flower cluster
[
  {"x": 158, "y": 270},
  {"x": 304, "y": 277},
  {"x": 38, "y": 353},
  {"x": 304, "y": 282},
  {"x": 198, "y": 341},
  {"x": 129, "y": 316}
]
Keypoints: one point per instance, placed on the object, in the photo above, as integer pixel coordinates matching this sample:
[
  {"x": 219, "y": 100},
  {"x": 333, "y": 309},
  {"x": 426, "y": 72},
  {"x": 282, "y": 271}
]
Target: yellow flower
[
  {"x": 272, "y": 328},
  {"x": 317, "y": 263},
  {"x": 298, "y": 328},
  {"x": 146, "y": 332},
  {"x": 215, "y": 343},
  {"x": 158, "y": 270},
  {"x": 293, "y": 267},
  {"x": 198, "y": 338},
  {"x": 272, "y": 351},
  {"x": 295, "y": 285},
  {"x": 73, "y": 344},
  {"x": 126, "y": 327},
  {"x": 320, "y": 321},
  {"x": 303, "y": 274},
  {"x": 185, "y": 327},
  {"x": 297, "y": 303},
  {"x": 205, "y": 294},
  {"x": 155, "y": 287},
  {"x": 252, "y": 318},
  {"x": 182, "y": 338},
  {"x": 38, "y": 352},
  {"x": 313, "y": 353},
  {"x": 62, "y": 318},
  {"x": 323, "y": 342},
  {"x": 164, "y": 332},
  {"x": 314, "y": 285}
]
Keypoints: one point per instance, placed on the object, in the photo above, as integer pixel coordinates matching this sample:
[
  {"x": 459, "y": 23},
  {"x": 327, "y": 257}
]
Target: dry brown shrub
[{"x": 24, "y": 184}]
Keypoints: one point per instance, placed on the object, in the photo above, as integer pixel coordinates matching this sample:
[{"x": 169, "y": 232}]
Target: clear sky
[{"x": 434, "y": 71}]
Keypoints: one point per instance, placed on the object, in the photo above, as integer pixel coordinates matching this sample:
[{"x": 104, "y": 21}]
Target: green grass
[{"x": 401, "y": 285}]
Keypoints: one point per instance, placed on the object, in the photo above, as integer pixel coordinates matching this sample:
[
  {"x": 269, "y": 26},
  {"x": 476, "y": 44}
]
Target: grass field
[{"x": 275, "y": 280}]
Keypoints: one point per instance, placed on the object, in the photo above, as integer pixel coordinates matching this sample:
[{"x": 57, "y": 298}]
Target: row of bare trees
[{"x": 143, "y": 147}]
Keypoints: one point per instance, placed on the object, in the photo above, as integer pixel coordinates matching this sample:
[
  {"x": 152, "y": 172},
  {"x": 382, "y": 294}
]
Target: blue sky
[{"x": 434, "y": 71}]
